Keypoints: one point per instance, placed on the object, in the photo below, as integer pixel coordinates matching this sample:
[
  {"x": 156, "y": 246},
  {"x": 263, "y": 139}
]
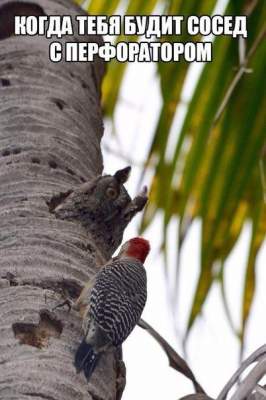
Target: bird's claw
[
  {"x": 68, "y": 302},
  {"x": 137, "y": 204}
]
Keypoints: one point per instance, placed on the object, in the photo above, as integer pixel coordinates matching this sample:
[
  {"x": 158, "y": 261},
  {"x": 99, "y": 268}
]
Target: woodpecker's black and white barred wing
[{"x": 118, "y": 298}]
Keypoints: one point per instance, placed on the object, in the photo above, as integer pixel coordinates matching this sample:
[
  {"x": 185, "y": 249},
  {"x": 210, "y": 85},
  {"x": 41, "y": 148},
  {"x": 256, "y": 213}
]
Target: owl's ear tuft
[{"x": 122, "y": 175}]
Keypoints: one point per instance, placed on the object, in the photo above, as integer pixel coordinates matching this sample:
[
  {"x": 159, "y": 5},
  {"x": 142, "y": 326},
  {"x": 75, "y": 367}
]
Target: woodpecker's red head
[{"x": 137, "y": 248}]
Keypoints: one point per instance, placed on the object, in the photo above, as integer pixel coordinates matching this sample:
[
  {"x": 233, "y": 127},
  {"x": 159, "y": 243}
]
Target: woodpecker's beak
[
  {"x": 122, "y": 250},
  {"x": 122, "y": 175}
]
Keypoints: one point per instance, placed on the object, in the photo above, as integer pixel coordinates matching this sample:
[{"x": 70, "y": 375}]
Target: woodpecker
[{"x": 111, "y": 304}]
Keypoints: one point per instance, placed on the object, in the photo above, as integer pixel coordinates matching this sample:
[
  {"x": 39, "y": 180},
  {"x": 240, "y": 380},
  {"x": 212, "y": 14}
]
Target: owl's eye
[{"x": 112, "y": 193}]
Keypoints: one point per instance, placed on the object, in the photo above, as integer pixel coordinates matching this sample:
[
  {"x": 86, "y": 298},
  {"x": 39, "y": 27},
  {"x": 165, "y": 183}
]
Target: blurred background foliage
[{"x": 216, "y": 169}]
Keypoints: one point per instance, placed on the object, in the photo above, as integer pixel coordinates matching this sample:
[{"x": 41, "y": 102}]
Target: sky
[{"x": 212, "y": 348}]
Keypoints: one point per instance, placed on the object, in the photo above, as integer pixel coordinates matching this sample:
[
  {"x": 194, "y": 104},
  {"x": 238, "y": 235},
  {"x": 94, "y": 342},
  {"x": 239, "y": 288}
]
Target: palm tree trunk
[{"x": 50, "y": 132}]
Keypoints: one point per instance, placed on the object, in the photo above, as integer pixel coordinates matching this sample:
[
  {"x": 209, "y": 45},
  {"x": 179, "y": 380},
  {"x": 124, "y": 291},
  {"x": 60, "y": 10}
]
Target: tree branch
[
  {"x": 251, "y": 359},
  {"x": 249, "y": 383},
  {"x": 239, "y": 74},
  {"x": 175, "y": 360}
]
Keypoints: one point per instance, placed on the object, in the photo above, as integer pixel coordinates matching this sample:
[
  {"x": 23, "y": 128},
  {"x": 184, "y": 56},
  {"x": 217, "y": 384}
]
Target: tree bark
[{"x": 50, "y": 132}]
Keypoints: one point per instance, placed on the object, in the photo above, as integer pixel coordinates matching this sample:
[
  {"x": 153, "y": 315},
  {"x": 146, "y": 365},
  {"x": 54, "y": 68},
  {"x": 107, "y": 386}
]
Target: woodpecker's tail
[{"x": 86, "y": 359}]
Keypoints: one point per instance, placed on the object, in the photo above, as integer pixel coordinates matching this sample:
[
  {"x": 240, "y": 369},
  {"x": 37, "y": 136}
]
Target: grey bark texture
[{"x": 50, "y": 132}]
